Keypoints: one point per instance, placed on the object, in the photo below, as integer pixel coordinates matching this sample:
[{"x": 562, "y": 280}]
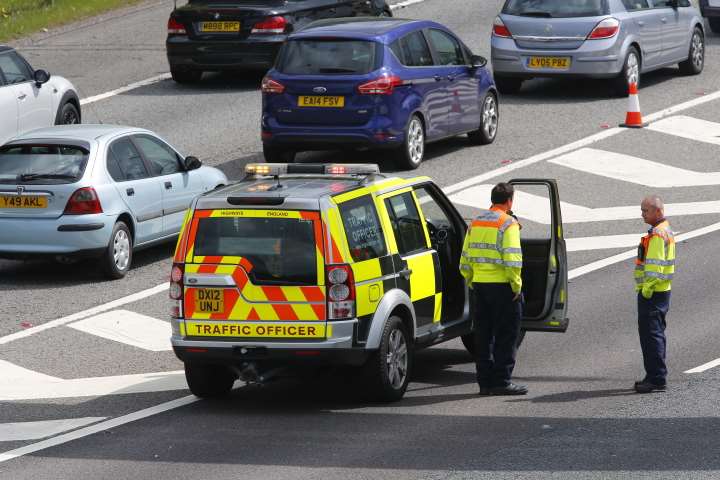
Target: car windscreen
[
  {"x": 42, "y": 164},
  {"x": 328, "y": 57},
  {"x": 282, "y": 251},
  {"x": 556, "y": 8}
]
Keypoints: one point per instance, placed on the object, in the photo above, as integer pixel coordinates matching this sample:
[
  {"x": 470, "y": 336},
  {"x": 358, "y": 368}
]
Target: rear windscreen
[
  {"x": 281, "y": 250},
  {"x": 42, "y": 164},
  {"x": 556, "y": 8},
  {"x": 328, "y": 57}
]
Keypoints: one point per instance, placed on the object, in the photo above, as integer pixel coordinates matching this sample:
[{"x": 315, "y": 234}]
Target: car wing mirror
[
  {"x": 41, "y": 77},
  {"x": 478, "y": 61},
  {"x": 192, "y": 163}
]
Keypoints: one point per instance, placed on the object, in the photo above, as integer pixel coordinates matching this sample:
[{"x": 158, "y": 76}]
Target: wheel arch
[
  {"x": 394, "y": 303},
  {"x": 127, "y": 218},
  {"x": 69, "y": 97}
]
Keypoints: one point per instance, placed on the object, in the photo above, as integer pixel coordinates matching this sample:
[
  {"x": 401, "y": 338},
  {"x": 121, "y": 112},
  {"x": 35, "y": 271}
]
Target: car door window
[
  {"x": 14, "y": 69},
  {"x": 447, "y": 48},
  {"x": 415, "y": 51},
  {"x": 632, "y": 5},
  {"x": 162, "y": 159},
  {"x": 406, "y": 223},
  {"x": 362, "y": 229},
  {"x": 128, "y": 160}
]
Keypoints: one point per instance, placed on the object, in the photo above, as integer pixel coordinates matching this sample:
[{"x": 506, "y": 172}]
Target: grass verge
[{"x": 19, "y": 18}]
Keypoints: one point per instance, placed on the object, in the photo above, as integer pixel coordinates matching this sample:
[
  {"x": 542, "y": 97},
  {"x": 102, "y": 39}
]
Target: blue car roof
[{"x": 387, "y": 29}]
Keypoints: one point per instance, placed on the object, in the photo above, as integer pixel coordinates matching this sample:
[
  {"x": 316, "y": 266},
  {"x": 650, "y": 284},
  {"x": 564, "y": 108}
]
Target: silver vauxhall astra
[{"x": 614, "y": 39}]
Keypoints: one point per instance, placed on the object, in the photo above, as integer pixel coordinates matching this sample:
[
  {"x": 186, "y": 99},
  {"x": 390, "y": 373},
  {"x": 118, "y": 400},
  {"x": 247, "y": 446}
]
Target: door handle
[
  {"x": 450, "y": 78},
  {"x": 663, "y": 20},
  {"x": 640, "y": 23},
  {"x": 405, "y": 273},
  {"x": 168, "y": 185},
  {"x": 438, "y": 78},
  {"x": 22, "y": 96},
  {"x": 130, "y": 192}
]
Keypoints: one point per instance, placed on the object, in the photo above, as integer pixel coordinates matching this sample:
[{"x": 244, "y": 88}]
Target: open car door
[{"x": 545, "y": 273}]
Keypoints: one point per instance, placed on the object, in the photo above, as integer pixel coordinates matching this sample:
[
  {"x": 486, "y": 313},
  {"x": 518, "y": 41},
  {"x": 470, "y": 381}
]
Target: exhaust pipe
[{"x": 249, "y": 373}]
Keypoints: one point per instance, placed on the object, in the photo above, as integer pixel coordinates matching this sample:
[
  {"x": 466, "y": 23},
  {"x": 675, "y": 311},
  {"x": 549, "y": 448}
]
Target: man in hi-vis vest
[
  {"x": 491, "y": 263},
  {"x": 654, "y": 270}
]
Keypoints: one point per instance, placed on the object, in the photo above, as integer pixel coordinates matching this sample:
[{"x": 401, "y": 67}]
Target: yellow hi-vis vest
[
  {"x": 491, "y": 252},
  {"x": 655, "y": 263}
]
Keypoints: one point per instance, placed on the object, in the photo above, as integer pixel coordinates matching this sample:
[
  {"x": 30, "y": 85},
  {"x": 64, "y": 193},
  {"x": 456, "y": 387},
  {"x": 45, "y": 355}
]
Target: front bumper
[
  {"x": 189, "y": 54},
  {"x": 75, "y": 235},
  {"x": 594, "y": 59}
]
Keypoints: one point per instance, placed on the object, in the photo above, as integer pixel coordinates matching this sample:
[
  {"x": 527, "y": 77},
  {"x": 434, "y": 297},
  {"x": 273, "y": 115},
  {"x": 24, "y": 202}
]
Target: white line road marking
[
  {"x": 536, "y": 208},
  {"x": 129, "y": 328},
  {"x": 24, "y": 431},
  {"x": 634, "y": 170},
  {"x": 704, "y": 367},
  {"x": 85, "y": 313},
  {"x": 11, "y": 373},
  {"x": 602, "y": 242},
  {"x": 126, "y": 88},
  {"x": 99, "y": 427},
  {"x": 404, "y": 4},
  {"x": 690, "y": 128}
]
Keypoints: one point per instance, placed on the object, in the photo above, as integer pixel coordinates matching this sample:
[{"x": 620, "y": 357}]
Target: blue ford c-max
[{"x": 375, "y": 83}]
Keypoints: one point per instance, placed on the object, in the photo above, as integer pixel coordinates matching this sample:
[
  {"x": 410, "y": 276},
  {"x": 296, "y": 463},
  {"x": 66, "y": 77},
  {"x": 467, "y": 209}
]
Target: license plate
[
  {"x": 209, "y": 300},
  {"x": 320, "y": 101},
  {"x": 219, "y": 27},
  {"x": 23, "y": 201},
  {"x": 553, "y": 63},
  {"x": 257, "y": 330}
]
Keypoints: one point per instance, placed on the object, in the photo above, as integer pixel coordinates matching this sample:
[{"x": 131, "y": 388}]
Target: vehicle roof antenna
[{"x": 279, "y": 185}]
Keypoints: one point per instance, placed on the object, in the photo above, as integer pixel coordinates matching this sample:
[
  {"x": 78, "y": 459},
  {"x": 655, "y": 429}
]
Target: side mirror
[
  {"x": 192, "y": 163},
  {"x": 41, "y": 77},
  {"x": 477, "y": 61}
]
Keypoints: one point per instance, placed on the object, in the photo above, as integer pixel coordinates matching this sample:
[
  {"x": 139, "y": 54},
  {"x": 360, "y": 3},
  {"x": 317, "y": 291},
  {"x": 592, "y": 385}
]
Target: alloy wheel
[
  {"x": 633, "y": 68},
  {"x": 698, "y": 50},
  {"x": 121, "y": 250},
  {"x": 397, "y": 359},
  {"x": 490, "y": 117},
  {"x": 416, "y": 141},
  {"x": 70, "y": 117}
]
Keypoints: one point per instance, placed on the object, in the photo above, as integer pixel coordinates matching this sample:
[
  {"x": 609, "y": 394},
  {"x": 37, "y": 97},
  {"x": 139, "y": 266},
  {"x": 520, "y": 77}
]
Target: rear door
[
  {"x": 255, "y": 274},
  {"x": 139, "y": 190},
  {"x": 676, "y": 31},
  {"x": 544, "y": 273},
  {"x": 645, "y": 22}
]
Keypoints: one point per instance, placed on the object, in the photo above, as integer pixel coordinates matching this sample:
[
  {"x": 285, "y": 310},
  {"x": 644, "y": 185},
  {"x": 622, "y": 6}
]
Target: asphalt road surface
[{"x": 80, "y": 400}]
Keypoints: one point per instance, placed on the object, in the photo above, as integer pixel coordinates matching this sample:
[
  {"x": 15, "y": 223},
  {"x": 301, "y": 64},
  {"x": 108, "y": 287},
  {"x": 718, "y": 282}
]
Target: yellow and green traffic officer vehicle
[{"x": 332, "y": 264}]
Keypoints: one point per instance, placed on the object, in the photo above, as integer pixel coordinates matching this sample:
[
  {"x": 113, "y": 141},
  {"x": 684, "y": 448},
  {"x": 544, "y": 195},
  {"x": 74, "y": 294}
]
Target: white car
[{"x": 31, "y": 99}]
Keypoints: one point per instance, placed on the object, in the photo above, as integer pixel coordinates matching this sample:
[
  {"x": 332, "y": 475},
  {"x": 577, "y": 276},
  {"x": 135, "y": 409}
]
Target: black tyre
[
  {"x": 714, "y": 24},
  {"x": 186, "y": 76},
  {"x": 508, "y": 85},
  {"x": 468, "y": 341},
  {"x": 68, "y": 115},
  {"x": 117, "y": 259},
  {"x": 388, "y": 370},
  {"x": 630, "y": 73},
  {"x": 278, "y": 155},
  {"x": 696, "y": 56},
  {"x": 489, "y": 120},
  {"x": 412, "y": 152},
  {"x": 209, "y": 381}
]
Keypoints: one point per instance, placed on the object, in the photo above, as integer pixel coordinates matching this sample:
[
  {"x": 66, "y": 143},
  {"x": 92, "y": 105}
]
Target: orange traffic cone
[{"x": 634, "y": 117}]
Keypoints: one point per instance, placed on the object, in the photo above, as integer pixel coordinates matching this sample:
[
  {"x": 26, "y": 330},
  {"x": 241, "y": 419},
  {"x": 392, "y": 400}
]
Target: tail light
[
  {"x": 607, "y": 28},
  {"x": 384, "y": 85},
  {"x": 175, "y": 27},
  {"x": 500, "y": 30},
  {"x": 271, "y": 86},
  {"x": 340, "y": 292},
  {"x": 272, "y": 25},
  {"x": 83, "y": 201},
  {"x": 176, "y": 290}
]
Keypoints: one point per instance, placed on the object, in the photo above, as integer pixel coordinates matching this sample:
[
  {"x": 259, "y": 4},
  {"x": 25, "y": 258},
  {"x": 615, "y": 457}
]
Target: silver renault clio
[{"x": 614, "y": 39}]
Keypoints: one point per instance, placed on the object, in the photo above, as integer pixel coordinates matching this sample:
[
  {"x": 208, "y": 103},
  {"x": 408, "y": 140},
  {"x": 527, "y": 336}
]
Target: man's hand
[
  {"x": 647, "y": 293},
  {"x": 517, "y": 297}
]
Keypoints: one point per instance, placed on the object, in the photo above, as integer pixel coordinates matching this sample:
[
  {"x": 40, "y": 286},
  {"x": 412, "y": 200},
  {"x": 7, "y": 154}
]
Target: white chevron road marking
[
  {"x": 23, "y": 431},
  {"x": 634, "y": 170},
  {"x": 129, "y": 328},
  {"x": 689, "y": 127}
]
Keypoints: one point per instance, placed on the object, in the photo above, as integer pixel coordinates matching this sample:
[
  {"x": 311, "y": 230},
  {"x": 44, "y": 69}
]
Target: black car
[{"x": 217, "y": 35}]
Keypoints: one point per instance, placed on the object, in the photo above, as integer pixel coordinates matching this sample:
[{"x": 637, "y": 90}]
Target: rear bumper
[
  {"x": 594, "y": 59},
  {"x": 81, "y": 235},
  {"x": 185, "y": 53}
]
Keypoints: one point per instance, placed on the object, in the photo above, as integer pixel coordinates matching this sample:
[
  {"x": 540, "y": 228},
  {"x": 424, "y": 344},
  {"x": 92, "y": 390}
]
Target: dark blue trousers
[
  {"x": 651, "y": 325},
  {"x": 497, "y": 325}
]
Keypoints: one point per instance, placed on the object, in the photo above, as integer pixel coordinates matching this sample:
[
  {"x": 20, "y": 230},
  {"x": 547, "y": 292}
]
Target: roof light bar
[{"x": 275, "y": 169}]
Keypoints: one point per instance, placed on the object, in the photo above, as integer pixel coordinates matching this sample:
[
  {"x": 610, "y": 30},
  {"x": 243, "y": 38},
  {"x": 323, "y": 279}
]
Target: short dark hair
[{"x": 501, "y": 193}]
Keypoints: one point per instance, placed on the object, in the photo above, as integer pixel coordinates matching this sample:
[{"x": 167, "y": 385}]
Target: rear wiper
[
  {"x": 337, "y": 70},
  {"x": 25, "y": 177},
  {"x": 536, "y": 13}
]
